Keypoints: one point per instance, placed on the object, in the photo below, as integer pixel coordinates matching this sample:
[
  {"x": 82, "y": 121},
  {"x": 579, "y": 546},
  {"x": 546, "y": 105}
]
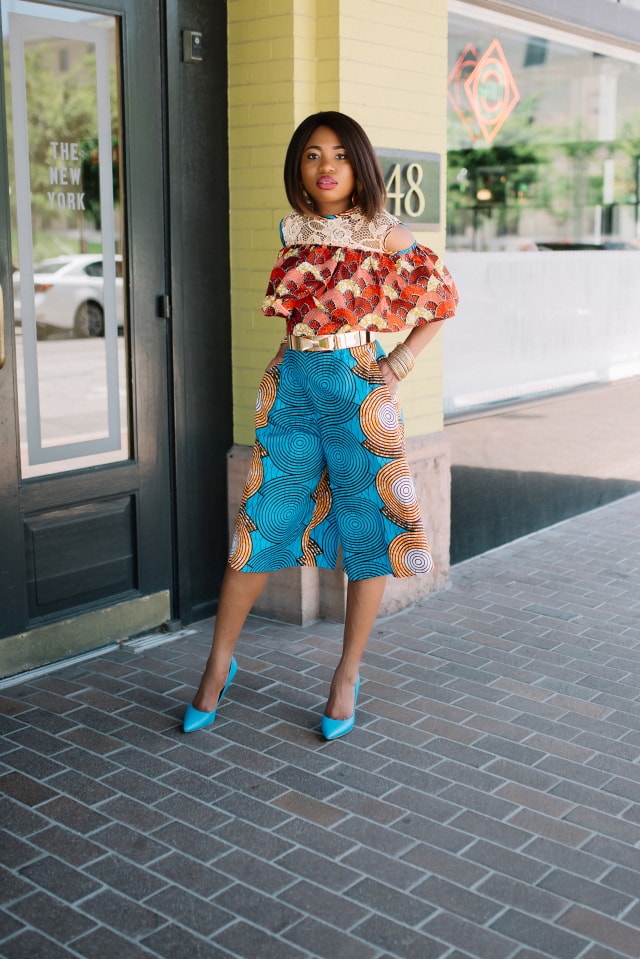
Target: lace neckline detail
[{"x": 351, "y": 230}]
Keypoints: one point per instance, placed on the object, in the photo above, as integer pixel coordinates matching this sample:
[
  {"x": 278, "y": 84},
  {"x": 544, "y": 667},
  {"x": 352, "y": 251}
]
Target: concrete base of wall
[
  {"x": 301, "y": 596},
  {"x": 58, "y": 641}
]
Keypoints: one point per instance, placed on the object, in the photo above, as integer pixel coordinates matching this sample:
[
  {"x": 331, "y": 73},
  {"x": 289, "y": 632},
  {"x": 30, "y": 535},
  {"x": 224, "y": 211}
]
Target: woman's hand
[{"x": 388, "y": 376}]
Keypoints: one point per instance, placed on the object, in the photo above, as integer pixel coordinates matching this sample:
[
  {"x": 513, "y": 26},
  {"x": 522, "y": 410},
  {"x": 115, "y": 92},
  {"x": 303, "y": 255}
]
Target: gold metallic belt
[{"x": 332, "y": 341}]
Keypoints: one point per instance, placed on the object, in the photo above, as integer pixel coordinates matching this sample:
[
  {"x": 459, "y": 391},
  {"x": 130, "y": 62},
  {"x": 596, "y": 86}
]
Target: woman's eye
[{"x": 341, "y": 156}]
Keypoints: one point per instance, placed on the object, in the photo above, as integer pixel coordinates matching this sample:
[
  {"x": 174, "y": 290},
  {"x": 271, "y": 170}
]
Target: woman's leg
[
  {"x": 363, "y": 601},
  {"x": 238, "y": 594}
]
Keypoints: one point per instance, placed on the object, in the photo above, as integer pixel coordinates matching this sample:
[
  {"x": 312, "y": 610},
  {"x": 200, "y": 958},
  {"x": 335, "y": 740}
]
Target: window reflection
[
  {"x": 69, "y": 296},
  {"x": 544, "y": 144},
  {"x": 627, "y": 3},
  {"x": 558, "y": 174}
]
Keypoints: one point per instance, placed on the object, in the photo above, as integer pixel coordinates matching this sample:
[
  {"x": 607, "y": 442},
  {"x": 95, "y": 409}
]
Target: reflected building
[
  {"x": 543, "y": 157},
  {"x": 543, "y": 237}
]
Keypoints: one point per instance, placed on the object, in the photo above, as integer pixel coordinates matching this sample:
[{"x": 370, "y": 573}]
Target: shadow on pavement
[{"x": 490, "y": 507}]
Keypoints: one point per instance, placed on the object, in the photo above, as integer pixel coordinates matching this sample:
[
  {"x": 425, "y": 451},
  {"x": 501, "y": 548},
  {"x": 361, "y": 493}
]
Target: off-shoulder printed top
[{"x": 334, "y": 274}]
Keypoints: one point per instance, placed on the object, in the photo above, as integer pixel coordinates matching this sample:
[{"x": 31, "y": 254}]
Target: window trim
[{"x": 570, "y": 34}]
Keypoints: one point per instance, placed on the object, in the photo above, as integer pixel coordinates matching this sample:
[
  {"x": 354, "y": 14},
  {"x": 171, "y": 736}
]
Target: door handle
[{"x": 3, "y": 355}]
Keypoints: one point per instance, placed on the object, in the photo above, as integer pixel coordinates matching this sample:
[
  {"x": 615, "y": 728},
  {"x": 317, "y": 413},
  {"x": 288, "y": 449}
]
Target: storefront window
[
  {"x": 544, "y": 141},
  {"x": 62, "y": 83}
]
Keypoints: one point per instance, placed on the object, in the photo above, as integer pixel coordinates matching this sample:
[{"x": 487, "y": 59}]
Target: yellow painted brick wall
[
  {"x": 261, "y": 116},
  {"x": 393, "y": 79},
  {"x": 382, "y": 61}
]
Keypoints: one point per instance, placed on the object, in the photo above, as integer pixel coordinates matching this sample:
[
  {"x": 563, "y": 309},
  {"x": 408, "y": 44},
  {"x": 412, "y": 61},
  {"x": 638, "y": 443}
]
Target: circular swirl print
[
  {"x": 266, "y": 395},
  {"x": 329, "y": 538},
  {"x": 254, "y": 477},
  {"x": 322, "y": 498},
  {"x": 395, "y": 486},
  {"x": 334, "y": 389},
  {"x": 409, "y": 554},
  {"x": 367, "y": 567},
  {"x": 380, "y": 424},
  {"x": 241, "y": 545},
  {"x": 291, "y": 384},
  {"x": 310, "y": 549},
  {"x": 361, "y": 527},
  {"x": 296, "y": 453},
  {"x": 280, "y": 510},
  {"x": 366, "y": 363},
  {"x": 273, "y": 557},
  {"x": 349, "y": 463}
]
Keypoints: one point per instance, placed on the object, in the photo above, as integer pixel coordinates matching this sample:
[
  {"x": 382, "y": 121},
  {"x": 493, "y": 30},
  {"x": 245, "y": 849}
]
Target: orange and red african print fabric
[{"x": 340, "y": 278}]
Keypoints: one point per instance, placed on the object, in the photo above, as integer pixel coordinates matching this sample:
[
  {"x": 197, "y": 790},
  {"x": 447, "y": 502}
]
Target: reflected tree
[{"x": 61, "y": 107}]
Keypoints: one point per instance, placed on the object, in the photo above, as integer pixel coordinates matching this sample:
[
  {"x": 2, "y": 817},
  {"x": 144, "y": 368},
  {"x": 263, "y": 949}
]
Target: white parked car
[{"x": 69, "y": 295}]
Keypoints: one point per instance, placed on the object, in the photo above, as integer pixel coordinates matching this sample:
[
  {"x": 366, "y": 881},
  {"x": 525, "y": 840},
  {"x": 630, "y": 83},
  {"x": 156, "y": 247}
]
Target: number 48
[{"x": 409, "y": 202}]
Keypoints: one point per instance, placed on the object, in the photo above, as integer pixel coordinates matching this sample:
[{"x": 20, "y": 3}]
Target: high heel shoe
[
  {"x": 196, "y": 718},
  {"x": 334, "y": 728}
]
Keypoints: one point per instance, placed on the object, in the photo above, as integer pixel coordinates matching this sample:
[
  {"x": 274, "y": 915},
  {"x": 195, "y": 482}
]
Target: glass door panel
[
  {"x": 62, "y": 78},
  {"x": 85, "y": 506}
]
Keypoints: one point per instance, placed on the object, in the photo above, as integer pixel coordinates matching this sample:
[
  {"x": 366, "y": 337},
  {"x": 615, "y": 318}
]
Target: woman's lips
[{"x": 326, "y": 183}]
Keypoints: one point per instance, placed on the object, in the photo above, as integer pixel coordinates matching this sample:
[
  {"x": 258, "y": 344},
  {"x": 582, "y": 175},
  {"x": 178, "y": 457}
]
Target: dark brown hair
[{"x": 371, "y": 191}]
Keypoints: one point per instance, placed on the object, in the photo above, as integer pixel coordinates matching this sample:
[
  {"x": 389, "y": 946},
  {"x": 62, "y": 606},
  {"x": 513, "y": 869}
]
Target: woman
[{"x": 329, "y": 469}]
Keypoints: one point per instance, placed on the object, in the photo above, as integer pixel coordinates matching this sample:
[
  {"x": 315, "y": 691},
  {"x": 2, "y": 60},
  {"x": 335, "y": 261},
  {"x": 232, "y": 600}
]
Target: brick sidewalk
[{"x": 485, "y": 806}]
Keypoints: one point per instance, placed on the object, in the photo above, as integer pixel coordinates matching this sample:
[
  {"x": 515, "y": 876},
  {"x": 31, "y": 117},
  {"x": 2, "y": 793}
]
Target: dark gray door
[{"x": 85, "y": 484}]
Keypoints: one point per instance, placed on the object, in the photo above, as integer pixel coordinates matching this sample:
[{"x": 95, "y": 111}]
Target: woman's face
[{"x": 327, "y": 174}]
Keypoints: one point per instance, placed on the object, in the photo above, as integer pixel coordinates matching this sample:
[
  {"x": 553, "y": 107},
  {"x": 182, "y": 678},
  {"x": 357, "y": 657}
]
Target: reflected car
[
  {"x": 568, "y": 245},
  {"x": 69, "y": 296},
  {"x": 621, "y": 245},
  {"x": 605, "y": 245}
]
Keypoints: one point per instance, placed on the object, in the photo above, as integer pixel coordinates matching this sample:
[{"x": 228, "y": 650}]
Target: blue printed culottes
[{"x": 329, "y": 470}]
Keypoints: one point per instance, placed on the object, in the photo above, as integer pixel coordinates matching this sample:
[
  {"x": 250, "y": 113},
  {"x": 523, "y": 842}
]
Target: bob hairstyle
[{"x": 371, "y": 191}]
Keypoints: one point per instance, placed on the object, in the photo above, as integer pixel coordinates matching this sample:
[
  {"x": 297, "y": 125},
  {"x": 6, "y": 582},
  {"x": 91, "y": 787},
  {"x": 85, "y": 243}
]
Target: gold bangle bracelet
[
  {"x": 398, "y": 369},
  {"x": 405, "y": 355},
  {"x": 401, "y": 360}
]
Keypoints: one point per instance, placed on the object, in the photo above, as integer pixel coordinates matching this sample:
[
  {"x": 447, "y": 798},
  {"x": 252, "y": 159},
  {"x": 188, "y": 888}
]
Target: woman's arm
[
  {"x": 416, "y": 341},
  {"x": 399, "y": 238}
]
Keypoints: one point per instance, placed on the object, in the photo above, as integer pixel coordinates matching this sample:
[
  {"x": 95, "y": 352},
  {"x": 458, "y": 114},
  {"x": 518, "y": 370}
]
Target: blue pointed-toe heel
[
  {"x": 335, "y": 728},
  {"x": 196, "y": 718}
]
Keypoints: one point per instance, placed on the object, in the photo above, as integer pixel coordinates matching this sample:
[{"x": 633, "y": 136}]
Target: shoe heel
[
  {"x": 197, "y": 719},
  {"x": 335, "y": 728}
]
